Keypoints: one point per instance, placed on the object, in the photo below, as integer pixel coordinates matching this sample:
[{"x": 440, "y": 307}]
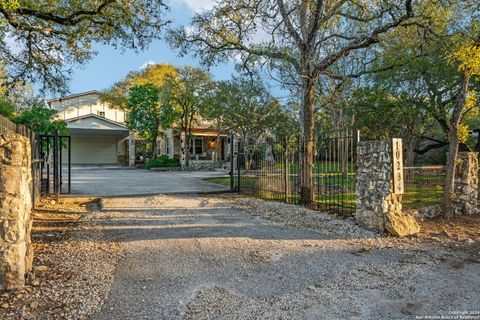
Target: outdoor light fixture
[{"x": 211, "y": 144}]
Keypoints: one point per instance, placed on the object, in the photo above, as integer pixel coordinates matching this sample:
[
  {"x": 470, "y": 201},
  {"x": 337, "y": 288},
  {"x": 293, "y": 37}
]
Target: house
[
  {"x": 98, "y": 131},
  {"x": 206, "y": 145},
  {"x": 99, "y": 135}
]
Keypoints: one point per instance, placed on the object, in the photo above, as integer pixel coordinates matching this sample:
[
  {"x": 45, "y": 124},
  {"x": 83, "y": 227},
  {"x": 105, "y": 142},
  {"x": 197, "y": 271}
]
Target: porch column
[
  {"x": 183, "y": 158},
  {"x": 170, "y": 143},
  {"x": 131, "y": 149}
]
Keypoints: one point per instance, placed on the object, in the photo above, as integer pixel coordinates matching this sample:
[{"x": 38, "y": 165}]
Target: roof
[
  {"x": 76, "y": 95},
  {"x": 92, "y": 115}
]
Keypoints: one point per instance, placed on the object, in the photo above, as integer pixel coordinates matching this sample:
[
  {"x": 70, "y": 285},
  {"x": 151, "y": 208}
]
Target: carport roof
[
  {"x": 117, "y": 128},
  {"x": 92, "y": 115}
]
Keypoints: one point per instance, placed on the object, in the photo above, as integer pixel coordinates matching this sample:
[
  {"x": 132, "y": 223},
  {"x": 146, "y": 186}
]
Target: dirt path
[{"x": 213, "y": 257}]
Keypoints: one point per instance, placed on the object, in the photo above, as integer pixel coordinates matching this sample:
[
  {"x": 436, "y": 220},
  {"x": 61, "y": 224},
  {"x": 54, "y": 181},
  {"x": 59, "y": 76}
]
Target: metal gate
[
  {"x": 270, "y": 169},
  {"x": 55, "y": 152}
]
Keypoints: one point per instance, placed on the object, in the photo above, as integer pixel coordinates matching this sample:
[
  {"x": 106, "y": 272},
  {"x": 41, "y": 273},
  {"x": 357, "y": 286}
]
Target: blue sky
[{"x": 110, "y": 65}]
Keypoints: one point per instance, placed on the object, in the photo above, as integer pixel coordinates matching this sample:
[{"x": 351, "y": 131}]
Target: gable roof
[
  {"x": 92, "y": 115},
  {"x": 76, "y": 95}
]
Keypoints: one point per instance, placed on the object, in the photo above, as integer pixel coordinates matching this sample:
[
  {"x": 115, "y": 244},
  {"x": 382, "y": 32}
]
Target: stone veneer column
[
  {"x": 171, "y": 146},
  {"x": 16, "y": 253},
  {"x": 131, "y": 149},
  {"x": 183, "y": 159},
  {"x": 377, "y": 206},
  {"x": 466, "y": 183}
]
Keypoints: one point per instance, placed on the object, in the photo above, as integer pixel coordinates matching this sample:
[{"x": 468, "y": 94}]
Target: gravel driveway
[{"x": 220, "y": 257}]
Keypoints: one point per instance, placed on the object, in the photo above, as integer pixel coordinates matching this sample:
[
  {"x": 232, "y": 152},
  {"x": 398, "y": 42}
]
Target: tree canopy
[
  {"x": 40, "y": 38},
  {"x": 154, "y": 74},
  {"x": 306, "y": 37}
]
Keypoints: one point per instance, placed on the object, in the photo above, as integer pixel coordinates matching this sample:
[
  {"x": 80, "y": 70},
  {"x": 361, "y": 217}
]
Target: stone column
[
  {"x": 16, "y": 253},
  {"x": 379, "y": 201},
  {"x": 171, "y": 146},
  {"x": 183, "y": 158},
  {"x": 131, "y": 149},
  {"x": 466, "y": 183}
]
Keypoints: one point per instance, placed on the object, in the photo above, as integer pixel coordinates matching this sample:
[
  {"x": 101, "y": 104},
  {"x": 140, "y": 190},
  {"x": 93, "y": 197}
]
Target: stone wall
[
  {"x": 16, "y": 253},
  {"x": 194, "y": 165},
  {"x": 377, "y": 206},
  {"x": 466, "y": 183}
]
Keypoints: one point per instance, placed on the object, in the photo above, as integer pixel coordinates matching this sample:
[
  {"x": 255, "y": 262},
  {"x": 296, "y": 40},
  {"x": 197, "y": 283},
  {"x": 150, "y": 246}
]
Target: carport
[{"x": 97, "y": 141}]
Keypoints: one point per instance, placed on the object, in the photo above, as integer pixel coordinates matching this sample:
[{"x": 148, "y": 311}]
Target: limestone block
[
  {"x": 8, "y": 174},
  {"x": 11, "y": 207},
  {"x": 12, "y": 263},
  {"x": 16, "y": 254},
  {"x": 13, "y": 231},
  {"x": 12, "y": 148},
  {"x": 401, "y": 224}
]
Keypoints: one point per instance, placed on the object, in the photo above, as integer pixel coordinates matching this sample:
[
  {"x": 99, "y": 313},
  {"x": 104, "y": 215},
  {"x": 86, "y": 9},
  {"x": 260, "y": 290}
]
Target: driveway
[
  {"x": 206, "y": 257},
  {"x": 195, "y": 257},
  {"x": 122, "y": 181}
]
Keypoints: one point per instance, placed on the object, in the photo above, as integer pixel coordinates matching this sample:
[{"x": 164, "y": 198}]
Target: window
[
  {"x": 167, "y": 147},
  {"x": 101, "y": 113},
  {"x": 196, "y": 146}
]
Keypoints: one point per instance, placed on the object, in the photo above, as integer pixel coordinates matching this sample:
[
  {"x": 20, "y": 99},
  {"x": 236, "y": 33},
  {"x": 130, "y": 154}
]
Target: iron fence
[
  {"x": 270, "y": 169},
  {"x": 424, "y": 185}
]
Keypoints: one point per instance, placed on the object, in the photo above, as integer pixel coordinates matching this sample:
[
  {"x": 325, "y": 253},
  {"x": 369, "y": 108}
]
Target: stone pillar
[
  {"x": 131, "y": 149},
  {"x": 379, "y": 200},
  {"x": 16, "y": 253},
  {"x": 466, "y": 183},
  {"x": 183, "y": 159},
  {"x": 171, "y": 146}
]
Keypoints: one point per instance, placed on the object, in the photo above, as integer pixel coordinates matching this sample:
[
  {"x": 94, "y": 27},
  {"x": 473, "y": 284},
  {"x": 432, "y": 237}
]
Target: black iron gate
[
  {"x": 270, "y": 169},
  {"x": 55, "y": 152}
]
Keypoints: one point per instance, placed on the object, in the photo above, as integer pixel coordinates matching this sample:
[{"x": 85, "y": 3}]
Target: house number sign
[{"x": 397, "y": 158}]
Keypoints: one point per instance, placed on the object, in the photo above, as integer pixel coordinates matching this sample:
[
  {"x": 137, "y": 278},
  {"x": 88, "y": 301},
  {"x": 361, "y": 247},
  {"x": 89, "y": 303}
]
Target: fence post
[
  {"x": 380, "y": 187},
  {"x": 466, "y": 183},
  {"x": 16, "y": 251},
  {"x": 285, "y": 170},
  {"x": 238, "y": 167}
]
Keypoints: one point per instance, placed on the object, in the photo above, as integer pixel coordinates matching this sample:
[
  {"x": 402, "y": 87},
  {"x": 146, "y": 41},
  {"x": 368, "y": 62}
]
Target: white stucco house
[
  {"x": 100, "y": 136},
  {"x": 98, "y": 132}
]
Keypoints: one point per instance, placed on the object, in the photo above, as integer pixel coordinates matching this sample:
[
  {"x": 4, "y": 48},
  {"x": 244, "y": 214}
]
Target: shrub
[{"x": 162, "y": 161}]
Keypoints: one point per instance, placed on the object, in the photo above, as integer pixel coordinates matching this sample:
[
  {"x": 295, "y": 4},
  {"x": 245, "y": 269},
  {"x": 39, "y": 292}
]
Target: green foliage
[
  {"x": 379, "y": 114},
  {"x": 246, "y": 108},
  {"x": 186, "y": 93},
  {"x": 39, "y": 119},
  {"x": 162, "y": 162},
  {"x": 147, "y": 113},
  {"x": 7, "y": 109},
  {"x": 155, "y": 75}
]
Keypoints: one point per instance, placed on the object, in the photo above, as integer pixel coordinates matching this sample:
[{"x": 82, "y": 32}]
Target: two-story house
[
  {"x": 98, "y": 131},
  {"x": 100, "y": 136}
]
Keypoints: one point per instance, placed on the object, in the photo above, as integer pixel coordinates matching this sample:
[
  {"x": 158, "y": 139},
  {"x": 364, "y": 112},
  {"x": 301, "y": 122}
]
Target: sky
[{"x": 110, "y": 65}]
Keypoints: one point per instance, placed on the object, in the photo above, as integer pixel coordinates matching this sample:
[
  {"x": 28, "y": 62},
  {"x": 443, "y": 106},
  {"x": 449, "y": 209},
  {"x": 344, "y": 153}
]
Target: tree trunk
[
  {"x": 449, "y": 194},
  {"x": 409, "y": 152},
  {"x": 306, "y": 164}
]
